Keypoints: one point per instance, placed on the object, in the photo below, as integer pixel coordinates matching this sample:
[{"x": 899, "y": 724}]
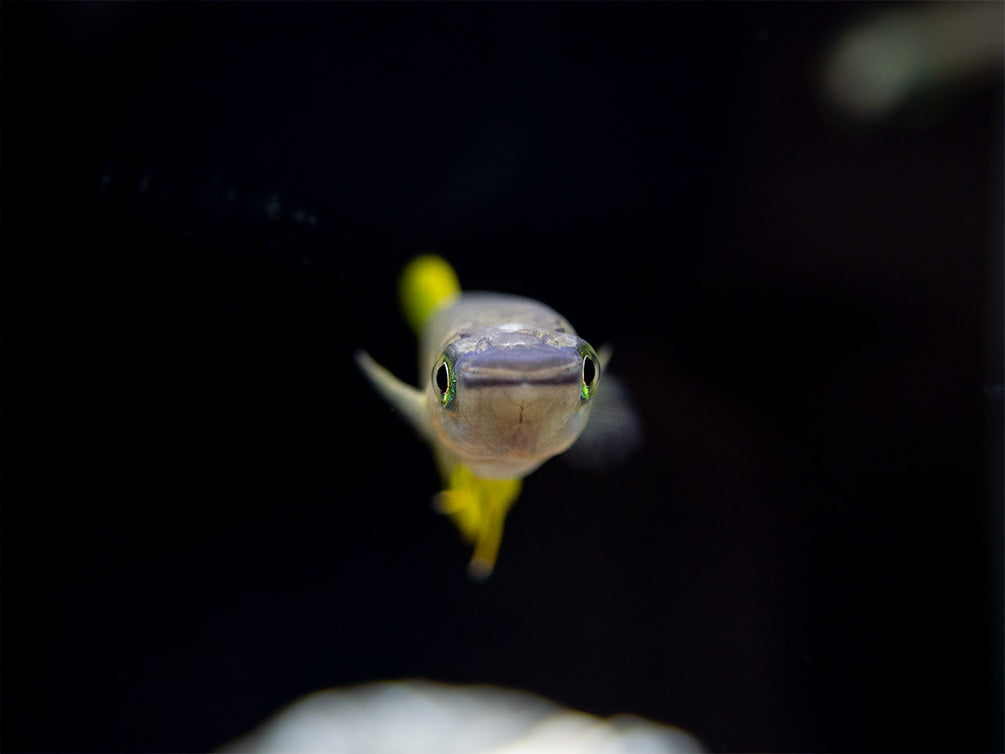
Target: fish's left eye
[
  {"x": 591, "y": 371},
  {"x": 444, "y": 381}
]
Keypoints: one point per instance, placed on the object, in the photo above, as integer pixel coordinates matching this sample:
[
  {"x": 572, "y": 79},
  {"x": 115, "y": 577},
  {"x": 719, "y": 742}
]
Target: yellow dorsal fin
[{"x": 427, "y": 283}]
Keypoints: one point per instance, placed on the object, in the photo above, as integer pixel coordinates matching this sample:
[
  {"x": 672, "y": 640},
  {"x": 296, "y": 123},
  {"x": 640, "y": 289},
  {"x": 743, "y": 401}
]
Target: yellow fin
[
  {"x": 478, "y": 507},
  {"x": 427, "y": 283}
]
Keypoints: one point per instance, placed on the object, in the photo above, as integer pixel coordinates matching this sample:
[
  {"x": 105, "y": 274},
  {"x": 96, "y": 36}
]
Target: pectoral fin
[
  {"x": 409, "y": 400},
  {"x": 613, "y": 432}
]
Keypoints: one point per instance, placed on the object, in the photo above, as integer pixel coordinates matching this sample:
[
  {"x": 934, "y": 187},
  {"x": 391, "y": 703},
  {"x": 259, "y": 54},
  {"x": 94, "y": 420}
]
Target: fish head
[{"x": 505, "y": 402}]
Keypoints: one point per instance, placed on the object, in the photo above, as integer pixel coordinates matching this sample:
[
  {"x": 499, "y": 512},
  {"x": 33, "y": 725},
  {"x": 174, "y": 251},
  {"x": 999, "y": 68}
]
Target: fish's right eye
[
  {"x": 444, "y": 381},
  {"x": 443, "y": 378}
]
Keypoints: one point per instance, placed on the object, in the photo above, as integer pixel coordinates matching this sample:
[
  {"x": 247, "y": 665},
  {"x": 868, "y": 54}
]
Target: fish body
[{"x": 505, "y": 383}]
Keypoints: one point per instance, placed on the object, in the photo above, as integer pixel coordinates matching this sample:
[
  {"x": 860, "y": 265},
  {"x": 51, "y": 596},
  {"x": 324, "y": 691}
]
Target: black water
[{"x": 207, "y": 513}]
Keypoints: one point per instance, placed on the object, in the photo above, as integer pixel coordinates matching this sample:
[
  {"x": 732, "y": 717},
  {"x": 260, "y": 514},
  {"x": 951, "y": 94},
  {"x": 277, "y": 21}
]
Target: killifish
[{"x": 505, "y": 383}]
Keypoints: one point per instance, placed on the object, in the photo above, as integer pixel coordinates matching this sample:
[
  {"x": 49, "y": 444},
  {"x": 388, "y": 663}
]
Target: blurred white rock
[
  {"x": 892, "y": 55},
  {"x": 417, "y": 716}
]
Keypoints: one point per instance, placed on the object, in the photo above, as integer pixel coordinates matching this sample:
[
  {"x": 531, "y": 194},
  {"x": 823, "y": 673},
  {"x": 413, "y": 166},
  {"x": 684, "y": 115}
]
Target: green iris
[
  {"x": 445, "y": 381},
  {"x": 591, "y": 371}
]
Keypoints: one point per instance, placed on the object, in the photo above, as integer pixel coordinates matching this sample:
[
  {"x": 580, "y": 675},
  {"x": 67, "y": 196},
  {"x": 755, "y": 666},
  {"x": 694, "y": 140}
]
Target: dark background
[{"x": 207, "y": 512}]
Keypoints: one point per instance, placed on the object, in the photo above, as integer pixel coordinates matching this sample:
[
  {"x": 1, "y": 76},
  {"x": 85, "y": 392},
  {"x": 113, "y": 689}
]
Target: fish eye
[
  {"x": 444, "y": 381},
  {"x": 591, "y": 372}
]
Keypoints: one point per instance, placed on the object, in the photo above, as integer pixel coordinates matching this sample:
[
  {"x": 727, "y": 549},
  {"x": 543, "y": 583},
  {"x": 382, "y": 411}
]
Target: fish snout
[{"x": 522, "y": 365}]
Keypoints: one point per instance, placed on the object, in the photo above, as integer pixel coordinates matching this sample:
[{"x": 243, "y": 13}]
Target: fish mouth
[{"x": 520, "y": 365}]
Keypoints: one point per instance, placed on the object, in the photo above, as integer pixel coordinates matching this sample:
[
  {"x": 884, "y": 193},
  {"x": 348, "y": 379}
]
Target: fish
[{"x": 505, "y": 384}]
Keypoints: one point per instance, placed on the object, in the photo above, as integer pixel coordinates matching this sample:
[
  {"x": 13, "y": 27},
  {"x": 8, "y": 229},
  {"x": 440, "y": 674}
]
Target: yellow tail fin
[{"x": 427, "y": 283}]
